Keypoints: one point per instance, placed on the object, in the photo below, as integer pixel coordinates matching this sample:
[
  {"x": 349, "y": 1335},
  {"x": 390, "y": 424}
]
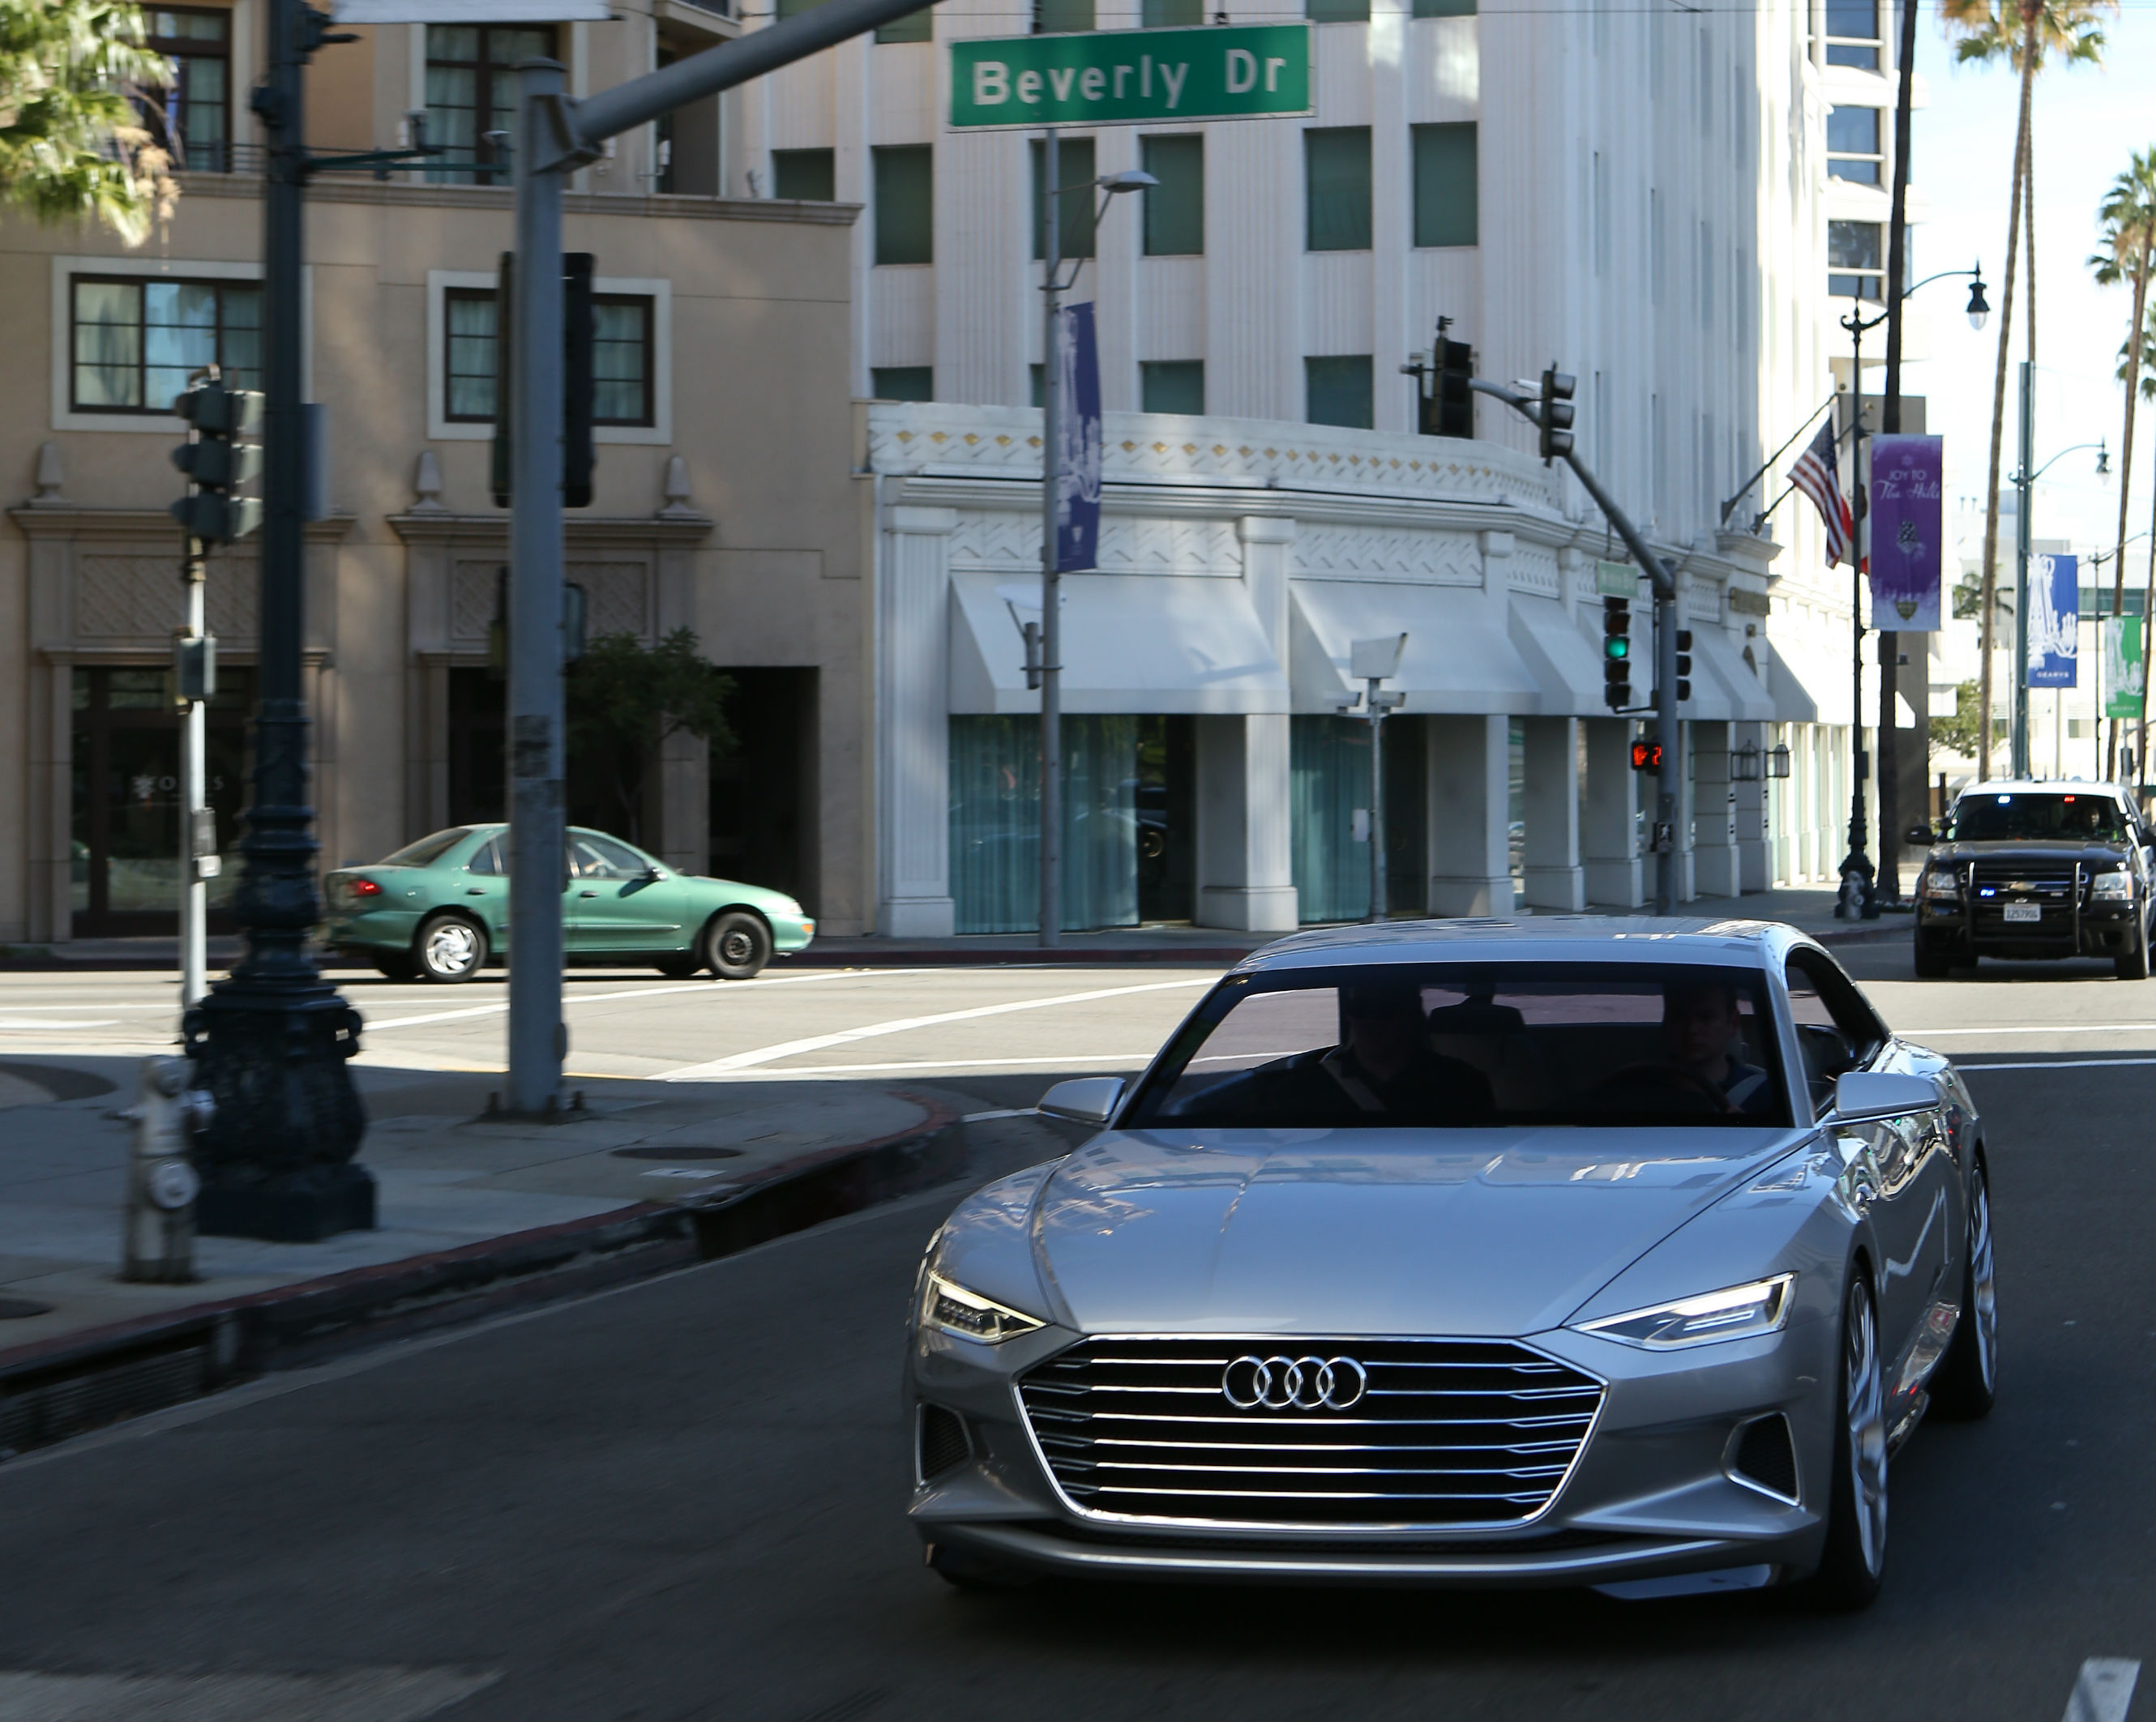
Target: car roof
[
  {"x": 2030, "y": 785},
  {"x": 1550, "y": 938}
]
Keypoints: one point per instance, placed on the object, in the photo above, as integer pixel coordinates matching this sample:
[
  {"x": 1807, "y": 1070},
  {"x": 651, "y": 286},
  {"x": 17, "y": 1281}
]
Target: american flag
[{"x": 1818, "y": 476}]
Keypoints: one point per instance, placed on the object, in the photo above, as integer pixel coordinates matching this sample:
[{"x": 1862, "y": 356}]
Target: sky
[{"x": 2087, "y": 121}]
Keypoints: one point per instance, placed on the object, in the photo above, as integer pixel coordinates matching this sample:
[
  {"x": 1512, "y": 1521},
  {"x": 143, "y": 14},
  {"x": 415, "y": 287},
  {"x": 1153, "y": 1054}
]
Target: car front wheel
[
  {"x": 1968, "y": 1379},
  {"x": 1931, "y": 963},
  {"x": 736, "y": 945},
  {"x": 1855, "y": 1559},
  {"x": 448, "y": 948},
  {"x": 2133, "y": 965}
]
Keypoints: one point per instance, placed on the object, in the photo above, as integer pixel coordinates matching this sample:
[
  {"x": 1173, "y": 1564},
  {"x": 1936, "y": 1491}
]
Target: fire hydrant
[{"x": 161, "y": 1181}]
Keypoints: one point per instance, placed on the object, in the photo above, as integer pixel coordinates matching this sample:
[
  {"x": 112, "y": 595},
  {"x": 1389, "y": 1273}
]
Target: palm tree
[
  {"x": 2144, "y": 363},
  {"x": 2128, "y": 215},
  {"x": 2027, "y": 34},
  {"x": 72, "y": 146}
]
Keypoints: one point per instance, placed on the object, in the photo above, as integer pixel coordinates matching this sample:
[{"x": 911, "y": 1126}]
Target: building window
[
  {"x": 1171, "y": 14},
  {"x": 903, "y": 382},
  {"x": 905, "y": 205},
  {"x": 1074, "y": 168},
  {"x": 193, "y": 118},
  {"x": 1038, "y": 396},
  {"x": 1852, "y": 33},
  {"x": 1445, "y": 178},
  {"x": 1062, "y": 18},
  {"x": 1336, "y": 188},
  {"x": 1447, "y": 9},
  {"x": 1337, "y": 12},
  {"x": 471, "y": 93},
  {"x": 1855, "y": 256},
  {"x": 1852, "y": 145},
  {"x": 624, "y": 357},
  {"x": 1338, "y": 391},
  {"x": 915, "y": 27},
  {"x": 1175, "y": 208},
  {"x": 136, "y": 341},
  {"x": 1171, "y": 385},
  {"x": 811, "y": 176}
]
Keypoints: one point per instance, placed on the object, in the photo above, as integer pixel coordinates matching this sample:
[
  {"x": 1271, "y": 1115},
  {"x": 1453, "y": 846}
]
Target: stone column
[
  {"x": 1244, "y": 874},
  {"x": 1554, "y": 877},
  {"x": 913, "y": 724},
  {"x": 1469, "y": 813},
  {"x": 1714, "y": 836},
  {"x": 1609, "y": 840}
]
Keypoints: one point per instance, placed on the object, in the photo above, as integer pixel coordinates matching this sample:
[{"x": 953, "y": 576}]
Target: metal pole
[
  {"x": 1857, "y": 861},
  {"x": 270, "y": 1040},
  {"x": 194, "y": 891},
  {"x": 537, "y": 838},
  {"x": 2023, "y": 485},
  {"x": 1051, "y": 623},
  {"x": 1377, "y": 882}
]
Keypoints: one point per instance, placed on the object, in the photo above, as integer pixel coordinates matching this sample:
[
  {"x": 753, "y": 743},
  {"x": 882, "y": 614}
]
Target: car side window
[
  {"x": 488, "y": 860},
  {"x": 1836, "y": 1031},
  {"x": 603, "y": 858}
]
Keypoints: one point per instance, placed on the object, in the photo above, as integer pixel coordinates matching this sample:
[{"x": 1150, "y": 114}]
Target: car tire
[
  {"x": 448, "y": 948},
  {"x": 1854, "y": 1561},
  {"x": 1967, "y": 1380},
  {"x": 1931, "y": 964},
  {"x": 735, "y": 946},
  {"x": 2133, "y": 965},
  {"x": 398, "y": 966},
  {"x": 679, "y": 965}
]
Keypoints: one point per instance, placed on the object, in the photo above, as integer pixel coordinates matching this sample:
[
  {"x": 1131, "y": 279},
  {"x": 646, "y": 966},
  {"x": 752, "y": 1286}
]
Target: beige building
[{"x": 724, "y": 500}]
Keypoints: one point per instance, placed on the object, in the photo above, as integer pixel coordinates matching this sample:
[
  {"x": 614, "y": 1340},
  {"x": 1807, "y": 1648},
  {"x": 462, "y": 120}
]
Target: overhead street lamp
[
  {"x": 1858, "y": 900},
  {"x": 2024, "y": 482},
  {"x": 1052, "y": 287}
]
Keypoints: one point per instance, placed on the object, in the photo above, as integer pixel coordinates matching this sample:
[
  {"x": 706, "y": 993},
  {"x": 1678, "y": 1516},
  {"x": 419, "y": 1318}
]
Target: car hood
[
  {"x": 1370, "y": 1232},
  {"x": 2101, "y": 854}
]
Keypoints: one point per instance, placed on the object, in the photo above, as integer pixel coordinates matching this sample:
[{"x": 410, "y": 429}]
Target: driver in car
[
  {"x": 1385, "y": 1062},
  {"x": 1703, "y": 1039}
]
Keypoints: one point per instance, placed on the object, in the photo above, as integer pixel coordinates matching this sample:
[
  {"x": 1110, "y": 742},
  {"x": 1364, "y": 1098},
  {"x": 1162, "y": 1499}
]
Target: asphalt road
[{"x": 684, "y": 1499}]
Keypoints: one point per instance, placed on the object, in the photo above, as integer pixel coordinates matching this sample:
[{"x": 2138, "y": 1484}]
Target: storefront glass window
[{"x": 995, "y": 822}]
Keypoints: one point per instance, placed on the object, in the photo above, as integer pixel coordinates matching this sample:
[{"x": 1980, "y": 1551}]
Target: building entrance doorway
[{"x": 123, "y": 872}]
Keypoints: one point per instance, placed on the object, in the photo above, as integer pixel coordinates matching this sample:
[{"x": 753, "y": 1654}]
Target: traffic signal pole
[
  {"x": 556, "y": 134},
  {"x": 1664, "y": 580}
]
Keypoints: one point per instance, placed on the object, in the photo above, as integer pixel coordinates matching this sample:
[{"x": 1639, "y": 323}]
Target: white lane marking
[
  {"x": 2104, "y": 1690},
  {"x": 1124, "y": 1059},
  {"x": 710, "y": 988},
  {"x": 2031, "y": 1028},
  {"x": 2060, "y": 1064},
  {"x": 354, "y": 1695},
  {"x": 845, "y": 1037},
  {"x": 14, "y": 1025}
]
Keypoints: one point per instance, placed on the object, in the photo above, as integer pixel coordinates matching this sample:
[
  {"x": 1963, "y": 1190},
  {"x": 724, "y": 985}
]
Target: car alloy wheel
[
  {"x": 450, "y": 948},
  {"x": 736, "y": 946},
  {"x": 1854, "y": 1556},
  {"x": 1967, "y": 1380}
]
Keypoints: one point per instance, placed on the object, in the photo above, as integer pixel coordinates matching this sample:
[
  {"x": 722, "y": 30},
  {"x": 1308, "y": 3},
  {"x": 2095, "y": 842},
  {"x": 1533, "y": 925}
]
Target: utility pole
[
  {"x": 194, "y": 679},
  {"x": 1051, "y": 581},
  {"x": 1373, "y": 663},
  {"x": 2024, "y": 481},
  {"x": 1887, "y": 881}
]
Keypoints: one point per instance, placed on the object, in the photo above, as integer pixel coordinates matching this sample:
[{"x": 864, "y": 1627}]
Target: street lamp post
[
  {"x": 2024, "y": 481},
  {"x": 1051, "y": 476},
  {"x": 1372, "y": 662}
]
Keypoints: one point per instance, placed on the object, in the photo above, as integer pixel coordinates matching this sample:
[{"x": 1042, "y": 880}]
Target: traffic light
[
  {"x": 579, "y": 385},
  {"x": 1556, "y": 416},
  {"x": 1455, "y": 393},
  {"x": 1684, "y": 663},
  {"x": 1646, "y": 756},
  {"x": 217, "y": 463},
  {"x": 1617, "y": 652}
]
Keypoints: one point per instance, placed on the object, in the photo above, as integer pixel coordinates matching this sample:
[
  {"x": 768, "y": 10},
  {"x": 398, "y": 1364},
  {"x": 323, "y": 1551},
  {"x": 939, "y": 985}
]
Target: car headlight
[
  {"x": 2112, "y": 887},
  {"x": 950, "y": 1306},
  {"x": 1739, "y": 1312},
  {"x": 1940, "y": 882}
]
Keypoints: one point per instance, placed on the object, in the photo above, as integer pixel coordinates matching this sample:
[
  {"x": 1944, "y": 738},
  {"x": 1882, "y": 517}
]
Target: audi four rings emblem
[{"x": 1301, "y": 1383}]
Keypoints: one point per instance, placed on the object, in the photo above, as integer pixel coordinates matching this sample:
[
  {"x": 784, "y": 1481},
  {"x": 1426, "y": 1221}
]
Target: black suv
[{"x": 2033, "y": 870}]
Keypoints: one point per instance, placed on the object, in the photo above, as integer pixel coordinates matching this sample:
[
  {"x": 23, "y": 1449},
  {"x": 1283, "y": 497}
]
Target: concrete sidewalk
[{"x": 640, "y": 1162}]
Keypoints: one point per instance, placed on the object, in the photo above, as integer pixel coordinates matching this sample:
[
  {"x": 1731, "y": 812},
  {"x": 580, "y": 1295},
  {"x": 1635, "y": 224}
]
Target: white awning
[
  {"x": 1793, "y": 701},
  {"x": 1132, "y": 643},
  {"x": 1458, "y": 659},
  {"x": 1719, "y": 664},
  {"x": 1565, "y": 666}
]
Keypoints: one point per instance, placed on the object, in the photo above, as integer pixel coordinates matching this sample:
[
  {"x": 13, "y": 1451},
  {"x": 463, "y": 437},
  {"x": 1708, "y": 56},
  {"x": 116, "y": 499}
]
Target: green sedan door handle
[{"x": 587, "y": 894}]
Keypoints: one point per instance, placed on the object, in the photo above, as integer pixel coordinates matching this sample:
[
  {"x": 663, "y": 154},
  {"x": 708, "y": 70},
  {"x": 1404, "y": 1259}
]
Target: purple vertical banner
[
  {"x": 1078, "y": 446},
  {"x": 1906, "y": 526}
]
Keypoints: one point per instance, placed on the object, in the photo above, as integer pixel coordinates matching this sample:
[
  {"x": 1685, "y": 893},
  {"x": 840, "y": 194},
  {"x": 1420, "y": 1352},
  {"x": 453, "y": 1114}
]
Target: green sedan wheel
[
  {"x": 736, "y": 945},
  {"x": 448, "y": 948}
]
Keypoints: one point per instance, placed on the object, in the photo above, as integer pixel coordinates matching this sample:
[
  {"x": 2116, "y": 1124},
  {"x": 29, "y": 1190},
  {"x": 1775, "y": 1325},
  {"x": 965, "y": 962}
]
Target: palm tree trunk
[
  {"x": 2126, "y": 456},
  {"x": 1989, "y": 584},
  {"x": 2148, "y": 619}
]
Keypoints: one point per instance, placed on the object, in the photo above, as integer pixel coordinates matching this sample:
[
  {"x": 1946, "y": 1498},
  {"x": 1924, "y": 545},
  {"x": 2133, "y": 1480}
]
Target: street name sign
[{"x": 1132, "y": 77}]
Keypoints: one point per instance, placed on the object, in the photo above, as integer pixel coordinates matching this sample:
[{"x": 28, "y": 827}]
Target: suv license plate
[{"x": 2025, "y": 912}]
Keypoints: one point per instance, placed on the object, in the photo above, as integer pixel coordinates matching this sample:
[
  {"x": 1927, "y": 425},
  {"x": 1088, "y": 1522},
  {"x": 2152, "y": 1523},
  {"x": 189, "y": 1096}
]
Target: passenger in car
[{"x": 1703, "y": 1037}]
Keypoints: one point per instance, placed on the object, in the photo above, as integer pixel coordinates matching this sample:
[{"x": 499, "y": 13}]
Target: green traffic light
[{"x": 1617, "y": 645}]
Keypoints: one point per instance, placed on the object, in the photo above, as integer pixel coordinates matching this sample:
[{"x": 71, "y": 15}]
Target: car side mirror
[
  {"x": 652, "y": 875},
  {"x": 1922, "y": 836},
  {"x": 1865, "y": 1096},
  {"x": 1084, "y": 1099}
]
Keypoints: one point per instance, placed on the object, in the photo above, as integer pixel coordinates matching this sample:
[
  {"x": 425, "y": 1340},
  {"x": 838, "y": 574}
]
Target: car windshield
[
  {"x": 428, "y": 850},
  {"x": 1435, "y": 1046},
  {"x": 2023, "y": 817}
]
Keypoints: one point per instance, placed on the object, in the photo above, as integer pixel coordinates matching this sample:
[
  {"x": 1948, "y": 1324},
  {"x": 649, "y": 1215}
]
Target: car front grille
[
  {"x": 2055, "y": 886},
  {"x": 1447, "y": 1433}
]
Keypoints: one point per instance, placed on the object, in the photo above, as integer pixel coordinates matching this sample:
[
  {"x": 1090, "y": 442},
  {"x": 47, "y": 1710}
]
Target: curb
[{"x": 52, "y": 1390}]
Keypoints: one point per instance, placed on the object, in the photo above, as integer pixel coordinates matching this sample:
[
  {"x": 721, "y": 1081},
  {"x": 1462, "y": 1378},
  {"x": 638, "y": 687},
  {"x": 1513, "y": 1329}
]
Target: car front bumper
[
  {"x": 1652, "y": 1494},
  {"x": 2105, "y": 928}
]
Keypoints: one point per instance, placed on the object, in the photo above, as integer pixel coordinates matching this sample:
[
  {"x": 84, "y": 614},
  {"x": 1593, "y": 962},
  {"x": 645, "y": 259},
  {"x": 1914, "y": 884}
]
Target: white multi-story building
[{"x": 1643, "y": 197}]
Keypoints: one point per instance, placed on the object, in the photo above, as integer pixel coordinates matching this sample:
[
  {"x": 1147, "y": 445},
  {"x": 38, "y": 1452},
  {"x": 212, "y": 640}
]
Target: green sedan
[{"x": 436, "y": 908}]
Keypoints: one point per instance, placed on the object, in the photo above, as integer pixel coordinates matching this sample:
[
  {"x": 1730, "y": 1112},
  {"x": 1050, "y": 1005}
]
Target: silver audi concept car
[{"x": 1562, "y": 1252}]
